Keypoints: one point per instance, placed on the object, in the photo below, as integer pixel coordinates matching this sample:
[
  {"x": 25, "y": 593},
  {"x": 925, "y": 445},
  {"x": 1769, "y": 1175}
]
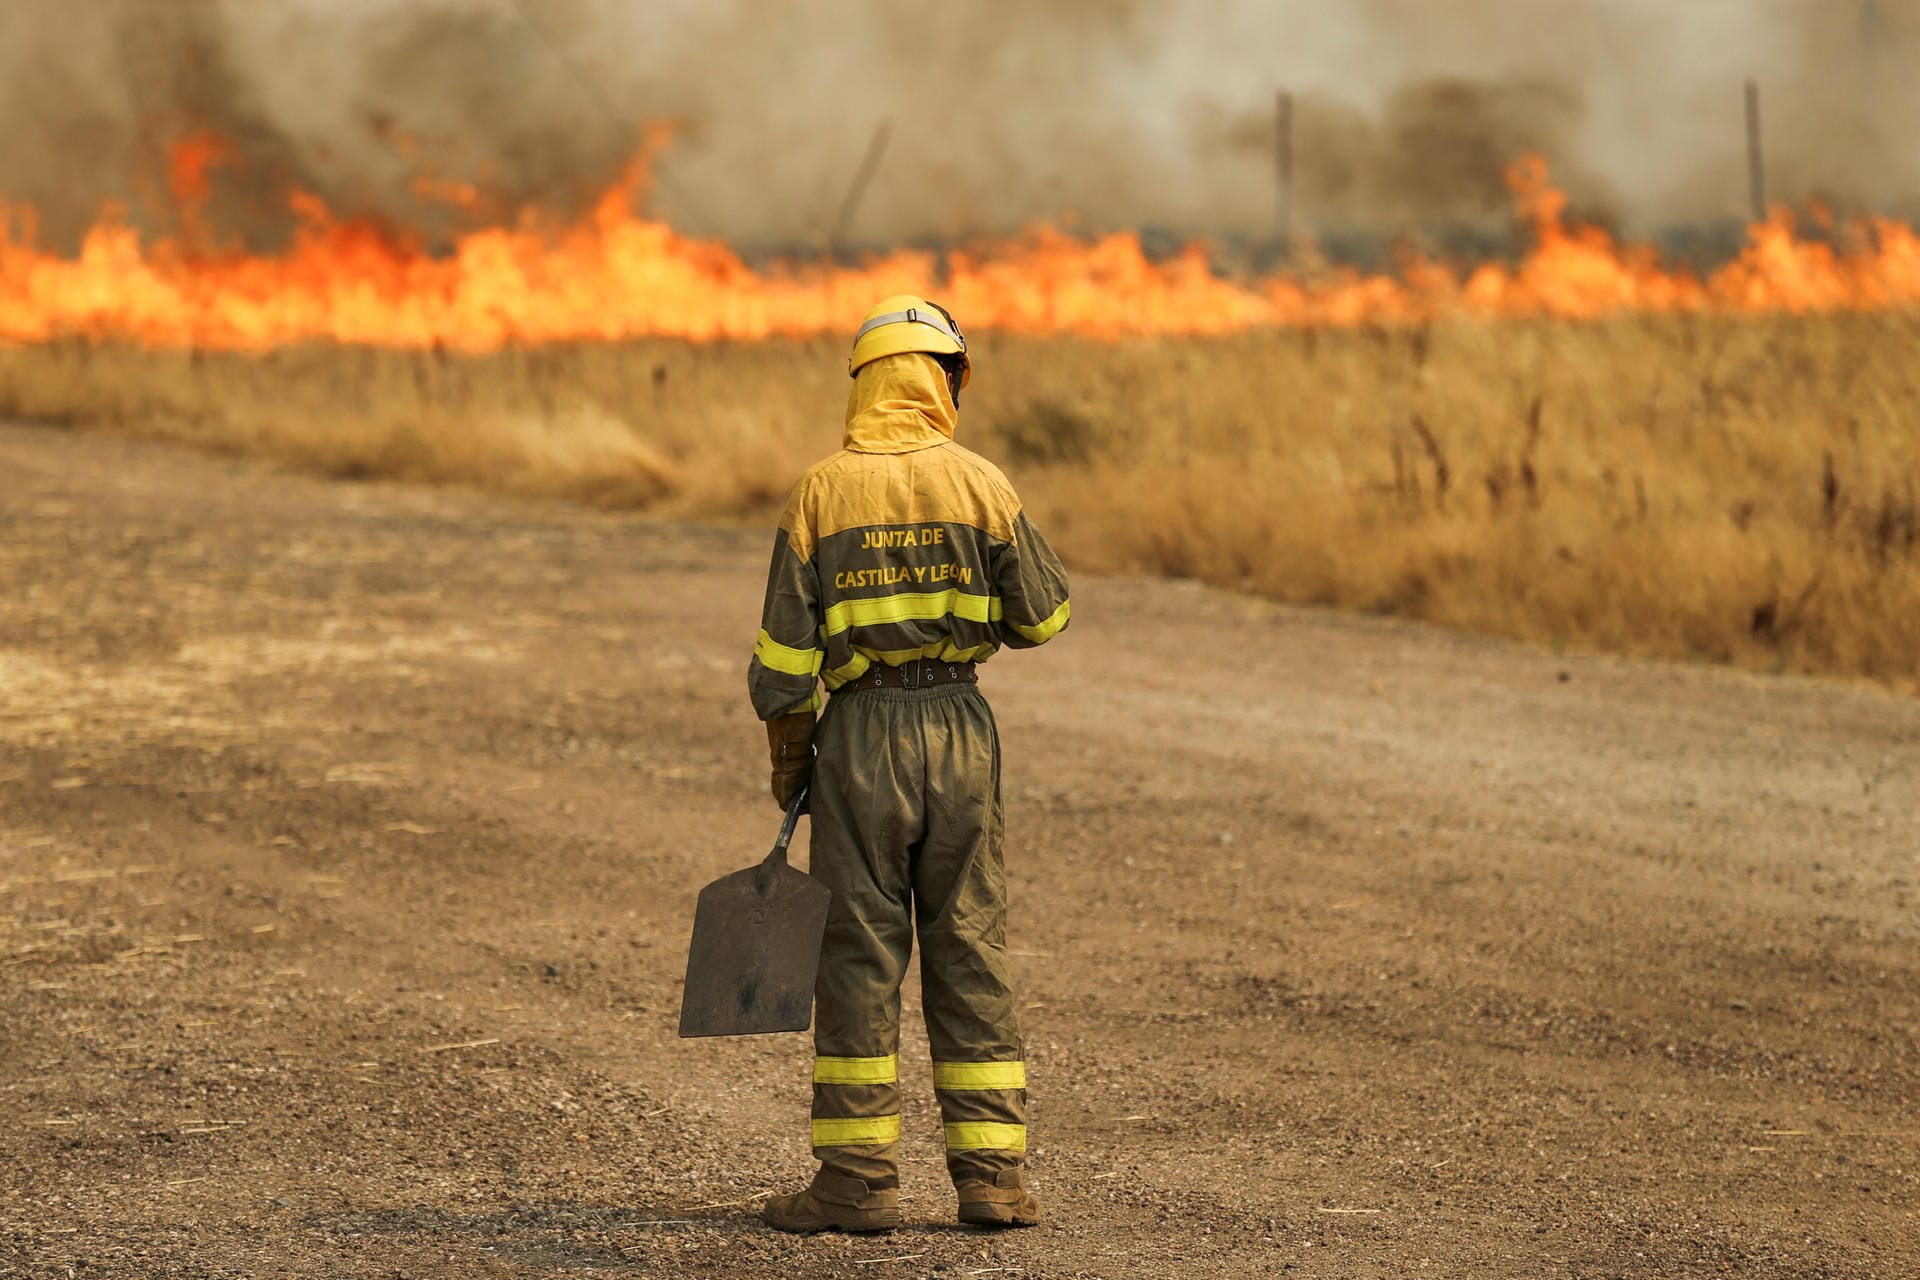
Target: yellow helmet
[{"x": 908, "y": 322}]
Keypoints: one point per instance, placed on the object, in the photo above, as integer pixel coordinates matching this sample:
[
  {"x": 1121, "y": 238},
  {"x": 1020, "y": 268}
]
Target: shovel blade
[{"x": 755, "y": 952}]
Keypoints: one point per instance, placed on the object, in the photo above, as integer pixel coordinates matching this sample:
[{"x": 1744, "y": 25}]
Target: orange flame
[
  {"x": 615, "y": 274},
  {"x": 189, "y": 161}
]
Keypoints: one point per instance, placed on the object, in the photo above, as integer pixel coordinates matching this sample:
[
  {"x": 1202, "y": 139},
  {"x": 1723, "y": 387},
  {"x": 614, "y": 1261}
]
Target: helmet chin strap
[{"x": 951, "y": 368}]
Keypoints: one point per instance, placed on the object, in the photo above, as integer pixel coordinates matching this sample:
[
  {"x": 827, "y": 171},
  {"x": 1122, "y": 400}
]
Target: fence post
[
  {"x": 857, "y": 189},
  {"x": 1283, "y": 164}
]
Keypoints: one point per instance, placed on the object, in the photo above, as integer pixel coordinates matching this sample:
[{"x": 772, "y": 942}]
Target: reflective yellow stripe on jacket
[
  {"x": 924, "y": 607},
  {"x": 901, "y": 545},
  {"x": 775, "y": 656},
  {"x": 1051, "y": 627}
]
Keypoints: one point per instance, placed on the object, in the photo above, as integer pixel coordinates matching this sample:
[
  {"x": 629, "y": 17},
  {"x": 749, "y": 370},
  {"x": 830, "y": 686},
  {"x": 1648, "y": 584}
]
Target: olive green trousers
[{"x": 907, "y": 833}]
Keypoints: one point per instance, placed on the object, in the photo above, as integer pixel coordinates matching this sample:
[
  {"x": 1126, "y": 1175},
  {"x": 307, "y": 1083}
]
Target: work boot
[
  {"x": 1004, "y": 1202},
  {"x": 833, "y": 1203}
]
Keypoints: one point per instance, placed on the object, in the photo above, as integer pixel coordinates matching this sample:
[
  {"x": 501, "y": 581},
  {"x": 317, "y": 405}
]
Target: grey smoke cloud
[{"x": 1110, "y": 113}]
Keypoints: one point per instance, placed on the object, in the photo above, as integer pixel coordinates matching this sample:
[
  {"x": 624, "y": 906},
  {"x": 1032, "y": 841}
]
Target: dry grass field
[{"x": 1734, "y": 490}]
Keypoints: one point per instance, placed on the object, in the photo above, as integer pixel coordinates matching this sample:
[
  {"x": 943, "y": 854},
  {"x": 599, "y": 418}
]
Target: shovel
[{"x": 756, "y": 947}]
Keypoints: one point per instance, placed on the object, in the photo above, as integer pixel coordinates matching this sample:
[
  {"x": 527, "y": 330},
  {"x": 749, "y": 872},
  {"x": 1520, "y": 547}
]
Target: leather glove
[{"x": 790, "y": 744}]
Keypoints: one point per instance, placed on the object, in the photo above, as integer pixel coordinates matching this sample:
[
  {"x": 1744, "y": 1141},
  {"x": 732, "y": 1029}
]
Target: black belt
[{"x": 922, "y": 673}]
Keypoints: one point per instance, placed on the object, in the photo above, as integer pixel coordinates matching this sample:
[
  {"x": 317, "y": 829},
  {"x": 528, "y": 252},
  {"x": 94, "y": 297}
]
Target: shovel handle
[
  {"x": 778, "y": 857},
  {"x": 795, "y": 807}
]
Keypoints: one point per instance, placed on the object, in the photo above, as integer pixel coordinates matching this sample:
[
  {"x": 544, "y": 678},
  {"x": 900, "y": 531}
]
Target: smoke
[
  {"x": 1115, "y": 113},
  {"x": 1433, "y": 155}
]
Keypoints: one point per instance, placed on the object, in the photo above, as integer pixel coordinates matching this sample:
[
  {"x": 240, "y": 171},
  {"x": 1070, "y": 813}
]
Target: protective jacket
[{"x": 902, "y": 545}]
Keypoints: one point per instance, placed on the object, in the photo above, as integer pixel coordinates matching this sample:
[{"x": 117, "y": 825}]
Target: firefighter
[{"x": 901, "y": 563}]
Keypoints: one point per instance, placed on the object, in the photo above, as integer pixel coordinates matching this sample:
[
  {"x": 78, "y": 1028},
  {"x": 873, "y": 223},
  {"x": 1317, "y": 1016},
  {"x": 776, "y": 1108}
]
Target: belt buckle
[{"x": 910, "y": 675}]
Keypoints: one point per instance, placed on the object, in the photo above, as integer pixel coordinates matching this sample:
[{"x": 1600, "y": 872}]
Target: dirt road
[{"x": 348, "y": 839}]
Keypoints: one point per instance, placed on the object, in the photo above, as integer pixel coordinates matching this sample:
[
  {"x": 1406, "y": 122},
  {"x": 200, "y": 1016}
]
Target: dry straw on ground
[{"x": 1717, "y": 488}]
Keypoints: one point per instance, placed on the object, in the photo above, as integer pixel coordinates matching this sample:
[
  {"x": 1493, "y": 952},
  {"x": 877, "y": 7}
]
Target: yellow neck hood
[{"x": 899, "y": 404}]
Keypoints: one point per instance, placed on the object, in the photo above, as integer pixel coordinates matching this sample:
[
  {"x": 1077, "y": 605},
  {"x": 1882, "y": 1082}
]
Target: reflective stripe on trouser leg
[
  {"x": 856, "y": 1102},
  {"x": 985, "y": 1136},
  {"x": 983, "y": 1105},
  {"x": 979, "y": 1075},
  {"x": 857, "y": 1070},
  {"x": 856, "y": 1117},
  {"x": 960, "y": 899},
  {"x": 858, "y": 1131},
  {"x": 906, "y": 809},
  {"x": 859, "y": 836}
]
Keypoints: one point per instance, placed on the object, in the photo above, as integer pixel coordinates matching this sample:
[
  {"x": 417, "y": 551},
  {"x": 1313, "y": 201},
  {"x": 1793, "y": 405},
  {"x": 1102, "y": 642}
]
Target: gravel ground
[{"x": 349, "y": 836}]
